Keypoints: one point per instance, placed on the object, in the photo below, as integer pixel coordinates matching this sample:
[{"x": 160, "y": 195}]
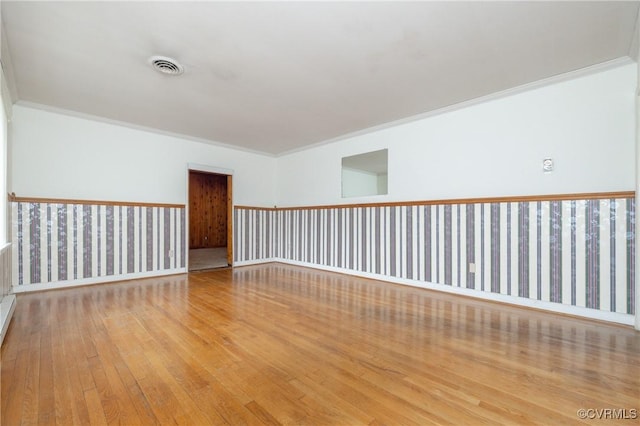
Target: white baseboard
[
  {"x": 7, "y": 306},
  {"x": 96, "y": 280},
  {"x": 594, "y": 314}
]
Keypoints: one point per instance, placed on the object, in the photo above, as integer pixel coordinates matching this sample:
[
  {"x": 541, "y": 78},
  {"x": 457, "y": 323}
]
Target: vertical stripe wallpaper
[
  {"x": 574, "y": 252},
  {"x": 64, "y": 242},
  {"x": 5, "y": 271},
  {"x": 7, "y": 300}
]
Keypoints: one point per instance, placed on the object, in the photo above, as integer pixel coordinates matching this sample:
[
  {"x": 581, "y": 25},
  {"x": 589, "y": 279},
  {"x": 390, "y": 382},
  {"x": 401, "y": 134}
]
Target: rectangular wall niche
[{"x": 365, "y": 174}]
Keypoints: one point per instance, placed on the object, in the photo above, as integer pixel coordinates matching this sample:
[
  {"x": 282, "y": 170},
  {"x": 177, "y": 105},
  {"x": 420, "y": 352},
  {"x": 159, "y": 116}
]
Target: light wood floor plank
[
  {"x": 30, "y": 400},
  {"x": 14, "y": 376},
  {"x": 94, "y": 407},
  {"x": 46, "y": 407},
  {"x": 262, "y": 414},
  {"x": 276, "y": 344},
  {"x": 66, "y": 410}
]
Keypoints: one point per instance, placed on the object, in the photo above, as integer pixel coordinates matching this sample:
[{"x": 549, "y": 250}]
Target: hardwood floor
[{"x": 276, "y": 344}]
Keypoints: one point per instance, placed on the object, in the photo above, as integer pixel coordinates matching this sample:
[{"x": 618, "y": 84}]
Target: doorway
[{"x": 210, "y": 220}]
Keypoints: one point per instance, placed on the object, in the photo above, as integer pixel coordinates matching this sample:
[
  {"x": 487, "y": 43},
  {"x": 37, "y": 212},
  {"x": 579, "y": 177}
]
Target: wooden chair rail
[
  {"x": 15, "y": 199},
  {"x": 507, "y": 199}
]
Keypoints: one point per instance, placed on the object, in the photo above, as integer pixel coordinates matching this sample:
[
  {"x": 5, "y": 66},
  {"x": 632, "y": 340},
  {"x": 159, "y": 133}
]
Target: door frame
[{"x": 203, "y": 168}]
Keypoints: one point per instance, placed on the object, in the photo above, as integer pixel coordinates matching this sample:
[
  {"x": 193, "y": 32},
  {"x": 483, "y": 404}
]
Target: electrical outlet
[
  {"x": 171, "y": 253},
  {"x": 472, "y": 268}
]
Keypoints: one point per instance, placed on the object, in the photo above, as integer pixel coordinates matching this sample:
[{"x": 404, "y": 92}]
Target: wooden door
[
  {"x": 208, "y": 210},
  {"x": 229, "y": 219}
]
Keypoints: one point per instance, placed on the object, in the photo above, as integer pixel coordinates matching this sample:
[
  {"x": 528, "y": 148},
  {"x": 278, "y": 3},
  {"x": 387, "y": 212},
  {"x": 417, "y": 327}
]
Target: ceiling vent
[{"x": 166, "y": 65}]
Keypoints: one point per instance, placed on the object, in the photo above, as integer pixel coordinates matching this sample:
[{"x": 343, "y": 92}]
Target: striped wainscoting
[
  {"x": 69, "y": 241},
  {"x": 5, "y": 270},
  {"x": 576, "y": 252},
  {"x": 256, "y": 234},
  {"x": 7, "y": 300}
]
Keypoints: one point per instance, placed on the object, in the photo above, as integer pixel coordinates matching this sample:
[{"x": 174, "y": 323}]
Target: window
[{"x": 365, "y": 174}]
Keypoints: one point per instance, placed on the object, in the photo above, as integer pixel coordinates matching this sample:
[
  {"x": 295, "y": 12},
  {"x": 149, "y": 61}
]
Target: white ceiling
[{"x": 278, "y": 76}]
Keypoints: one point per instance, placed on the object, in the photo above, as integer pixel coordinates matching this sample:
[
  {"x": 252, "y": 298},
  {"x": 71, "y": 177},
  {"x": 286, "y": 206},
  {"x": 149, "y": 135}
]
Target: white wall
[
  {"x": 60, "y": 156},
  {"x": 491, "y": 149},
  {"x": 586, "y": 125}
]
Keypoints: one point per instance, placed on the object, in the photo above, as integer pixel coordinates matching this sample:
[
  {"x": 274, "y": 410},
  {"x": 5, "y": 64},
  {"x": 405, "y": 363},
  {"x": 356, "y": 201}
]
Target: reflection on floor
[{"x": 207, "y": 258}]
